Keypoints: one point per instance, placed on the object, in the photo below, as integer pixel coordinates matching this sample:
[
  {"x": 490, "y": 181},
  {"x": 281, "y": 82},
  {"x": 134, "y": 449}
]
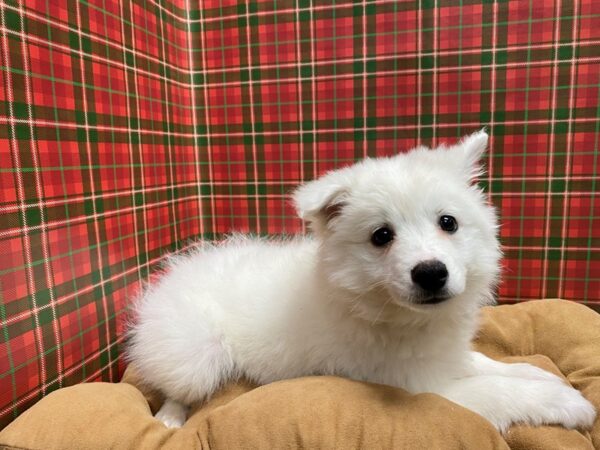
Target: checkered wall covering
[{"x": 128, "y": 128}]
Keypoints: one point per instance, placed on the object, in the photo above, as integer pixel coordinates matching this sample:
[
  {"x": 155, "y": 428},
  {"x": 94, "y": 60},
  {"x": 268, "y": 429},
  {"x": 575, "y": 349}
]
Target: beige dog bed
[{"x": 330, "y": 412}]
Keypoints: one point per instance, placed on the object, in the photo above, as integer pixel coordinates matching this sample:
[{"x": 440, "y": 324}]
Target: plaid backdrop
[{"x": 128, "y": 128}]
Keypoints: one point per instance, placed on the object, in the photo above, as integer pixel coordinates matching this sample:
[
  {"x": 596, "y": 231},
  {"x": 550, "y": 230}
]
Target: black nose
[{"x": 431, "y": 276}]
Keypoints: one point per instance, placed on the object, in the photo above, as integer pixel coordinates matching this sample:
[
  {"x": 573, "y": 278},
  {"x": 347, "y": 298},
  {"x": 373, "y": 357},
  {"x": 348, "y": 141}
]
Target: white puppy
[{"x": 388, "y": 290}]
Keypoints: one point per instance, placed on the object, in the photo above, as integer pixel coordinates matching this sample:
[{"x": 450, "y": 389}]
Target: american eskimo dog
[{"x": 403, "y": 254}]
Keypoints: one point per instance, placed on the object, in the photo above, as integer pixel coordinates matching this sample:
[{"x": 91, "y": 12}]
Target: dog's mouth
[
  {"x": 422, "y": 300},
  {"x": 430, "y": 298},
  {"x": 433, "y": 300}
]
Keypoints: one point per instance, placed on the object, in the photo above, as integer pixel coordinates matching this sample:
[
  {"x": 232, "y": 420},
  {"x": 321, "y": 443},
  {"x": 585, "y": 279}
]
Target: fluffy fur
[{"x": 337, "y": 304}]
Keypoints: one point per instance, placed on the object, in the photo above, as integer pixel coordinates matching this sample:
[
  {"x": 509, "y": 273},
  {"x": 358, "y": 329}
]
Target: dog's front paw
[
  {"x": 556, "y": 403},
  {"x": 505, "y": 401},
  {"x": 570, "y": 409}
]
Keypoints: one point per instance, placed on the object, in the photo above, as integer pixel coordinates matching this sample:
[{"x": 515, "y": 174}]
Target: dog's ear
[
  {"x": 468, "y": 153},
  {"x": 321, "y": 200}
]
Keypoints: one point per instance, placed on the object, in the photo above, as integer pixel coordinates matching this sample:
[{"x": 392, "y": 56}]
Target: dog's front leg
[
  {"x": 483, "y": 365},
  {"x": 517, "y": 393}
]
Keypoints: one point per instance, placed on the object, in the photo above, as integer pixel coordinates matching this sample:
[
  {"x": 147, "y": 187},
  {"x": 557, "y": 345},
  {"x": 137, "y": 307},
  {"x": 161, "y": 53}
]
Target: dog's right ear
[{"x": 321, "y": 200}]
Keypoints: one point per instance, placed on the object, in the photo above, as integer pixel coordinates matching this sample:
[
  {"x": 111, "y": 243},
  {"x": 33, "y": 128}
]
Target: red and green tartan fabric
[{"x": 129, "y": 128}]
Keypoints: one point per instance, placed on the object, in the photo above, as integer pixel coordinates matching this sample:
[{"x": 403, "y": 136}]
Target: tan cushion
[{"x": 330, "y": 412}]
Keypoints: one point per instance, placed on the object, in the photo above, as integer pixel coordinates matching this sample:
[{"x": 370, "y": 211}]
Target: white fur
[{"x": 336, "y": 304}]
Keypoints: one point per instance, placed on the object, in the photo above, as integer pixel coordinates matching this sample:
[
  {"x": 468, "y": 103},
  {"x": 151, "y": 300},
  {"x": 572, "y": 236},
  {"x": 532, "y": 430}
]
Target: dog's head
[{"x": 414, "y": 226}]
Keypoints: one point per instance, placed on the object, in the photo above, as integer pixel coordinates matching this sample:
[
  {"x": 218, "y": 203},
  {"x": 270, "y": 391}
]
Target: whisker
[
  {"x": 381, "y": 310},
  {"x": 356, "y": 300}
]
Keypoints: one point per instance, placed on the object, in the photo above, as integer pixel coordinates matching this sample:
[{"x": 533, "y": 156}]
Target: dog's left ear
[
  {"x": 321, "y": 200},
  {"x": 468, "y": 153}
]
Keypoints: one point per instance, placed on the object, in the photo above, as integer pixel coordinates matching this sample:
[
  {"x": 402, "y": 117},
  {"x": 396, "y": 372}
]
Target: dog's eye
[
  {"x": 382, "y": 236},
  {"x": 448, "y": 224}
]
